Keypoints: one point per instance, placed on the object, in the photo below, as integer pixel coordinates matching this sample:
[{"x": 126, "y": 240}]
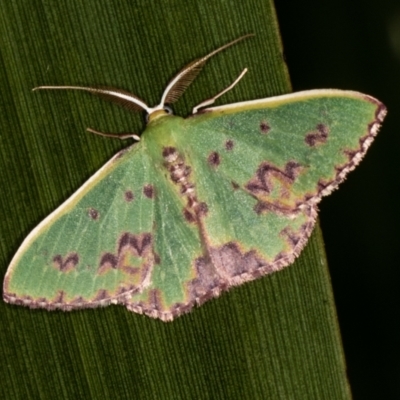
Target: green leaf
[{"x": 276, "y": 337}]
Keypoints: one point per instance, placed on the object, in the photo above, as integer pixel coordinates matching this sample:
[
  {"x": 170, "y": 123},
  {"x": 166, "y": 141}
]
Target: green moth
[{"x": 197, "y": 205}]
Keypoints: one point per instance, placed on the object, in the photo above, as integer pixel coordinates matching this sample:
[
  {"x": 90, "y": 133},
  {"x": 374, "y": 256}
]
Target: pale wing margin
[{"x": 297, "y": 96}]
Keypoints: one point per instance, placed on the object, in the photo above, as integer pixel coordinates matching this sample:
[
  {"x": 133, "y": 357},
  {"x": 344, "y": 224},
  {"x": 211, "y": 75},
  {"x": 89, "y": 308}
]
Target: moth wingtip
[
  {"x": 381, "y": 109},
  {"x": 381, "y": 112}
]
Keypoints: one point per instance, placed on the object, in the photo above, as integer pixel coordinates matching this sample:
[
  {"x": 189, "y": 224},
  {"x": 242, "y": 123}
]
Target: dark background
[{"x": 356, "y": 45}]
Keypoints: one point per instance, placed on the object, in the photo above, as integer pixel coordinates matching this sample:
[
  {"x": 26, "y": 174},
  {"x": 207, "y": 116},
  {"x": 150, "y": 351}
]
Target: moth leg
[
  {"x": 115, "y": 135},
  {"x": 212, "y": 99}
]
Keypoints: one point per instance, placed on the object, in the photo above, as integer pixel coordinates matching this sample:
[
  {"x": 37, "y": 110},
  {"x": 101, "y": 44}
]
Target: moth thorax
[{"x": 157, "y": 114}]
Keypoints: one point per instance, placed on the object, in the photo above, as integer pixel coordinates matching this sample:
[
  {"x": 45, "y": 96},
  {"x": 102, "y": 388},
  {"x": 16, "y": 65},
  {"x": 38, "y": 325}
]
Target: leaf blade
[{"x": 254, "y": 331}]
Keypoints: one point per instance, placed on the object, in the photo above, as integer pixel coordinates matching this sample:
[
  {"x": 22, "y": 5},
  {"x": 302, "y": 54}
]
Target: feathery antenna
[{"x": 185, "y": 77}]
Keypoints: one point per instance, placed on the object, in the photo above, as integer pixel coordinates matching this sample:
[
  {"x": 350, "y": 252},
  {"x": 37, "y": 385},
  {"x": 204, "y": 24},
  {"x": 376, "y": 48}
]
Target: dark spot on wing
[
  {"x": 235, "y": 185},
  {"x": 214, "y": 159},
  {"x": 317, "y": 137},
  {"x": 129, "y": 196},
  {"x": 229, "y": 144},
  {"x": 93, "y": 213},
  {"x": 66, "y": 264},
  {"x": 149, "y": 191},
  {"x": 264, "y": 127}
]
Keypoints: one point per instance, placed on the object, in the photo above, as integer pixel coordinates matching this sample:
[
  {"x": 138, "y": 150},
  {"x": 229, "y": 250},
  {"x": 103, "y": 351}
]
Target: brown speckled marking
[
  {"x": 264, "y": 127},
  {"x": 67, "y": 264},
  {"x": 149, "y": 191},
  {"x": 187, "y": 188},
  {"x": 262, "y": 182},
  {"x": 194, "y": 211},
  {"x": 229, "y": 145},
  {"x": 291, "y": 237},
  {"x": 189, "y": 216},
  {"x": 235, "y": 185},
  {"x": 130, "y": 246},
  {"x": 231, "y": 262},
  {"x": 128, "y": 196},
  {"x": 179, "y": 171},
  {"x": 317, "y": 137},
  {"x": 180, "y": 176},
  {"x": 229, "y": 265},
  {"x": 93, "y": 213},
  {"x": 214, "y": 159},
  {"x": 170, "y": 154}
]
